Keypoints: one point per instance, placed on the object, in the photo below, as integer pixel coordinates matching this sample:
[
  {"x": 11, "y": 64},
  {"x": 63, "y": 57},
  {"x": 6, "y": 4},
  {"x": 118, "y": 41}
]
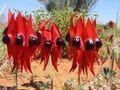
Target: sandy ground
[{"x": 7, "y": 78}]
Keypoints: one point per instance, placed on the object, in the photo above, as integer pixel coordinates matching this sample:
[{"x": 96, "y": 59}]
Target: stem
[
  {"x": 51, "y": 83},
  {"x": 50, "y": 63},
  {"x": 16, "y": 76},
  {"x": 112, "y": 63},
  {"x": 78, "y": 88},
  {"x": 113, "y": 59},
  {"x": 79, "y": 75}
]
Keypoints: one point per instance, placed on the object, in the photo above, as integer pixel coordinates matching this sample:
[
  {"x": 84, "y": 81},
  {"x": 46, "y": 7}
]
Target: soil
[{"x": 7, "y": 78}]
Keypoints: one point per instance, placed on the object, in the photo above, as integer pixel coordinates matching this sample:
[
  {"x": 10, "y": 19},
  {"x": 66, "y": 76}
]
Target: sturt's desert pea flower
[
  {"x": 21, "y": 41},
  {"x": 111, "y": 24},
  {"x": 91, "y": 46},
  {"x": 71, "y": 29},
  {"x": 26, "y": 42},
  {"x": 41, "y": 29},
  {"x": 57, "y": 44},
  {"x": 69, "y": 36},
  {"x": 74, "y": 37},
  {"x": 99, "y": 30},
  {"x": 46, "y": 42},
  {"x": 9, "y": 34},
  {"x": 46, "y": 46},
  {"x": 84, "y": 44},
  {"x": 77, "y": 44},
  {"x": 51, "y": 44}
]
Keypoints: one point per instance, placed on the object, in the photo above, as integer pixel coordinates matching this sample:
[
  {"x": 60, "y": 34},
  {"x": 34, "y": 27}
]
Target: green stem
[
  {"x": 79, "y": 75},
  {"x": 51, "y": 83},
  {"x": 112, "y": 64},
  {"x": 16, "y": 76},
  {"x": 113, "y": 59},
  {"x": 78, "y": 88},
  {"x": 51, "y": 77}
]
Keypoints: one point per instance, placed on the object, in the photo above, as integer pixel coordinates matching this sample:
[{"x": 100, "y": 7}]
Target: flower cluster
[
  {"x": 21, "y": 41},
  {"x": 51, "y": 43},
  {"x": 84, "y": 44}
]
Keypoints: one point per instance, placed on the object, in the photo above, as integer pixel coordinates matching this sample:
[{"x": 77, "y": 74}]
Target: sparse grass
[{"x": 3, "y": 53}]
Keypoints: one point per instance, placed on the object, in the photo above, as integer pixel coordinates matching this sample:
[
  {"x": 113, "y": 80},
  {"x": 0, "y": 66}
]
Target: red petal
[
  {"x": 30, "y": 27},
  {"x": 72, "y": 21},
  {"x": 11, "y": 26},
  {"x": 89, "y": 30},
  {"x": 55, "y": 56},
  {"x": 79, "y": 27},
  {"x": 20, "y": 24},
  {"x": 46, "y": 58},
  {"x": 42, "y": 25},
  {"x": 9, "y": 15}
]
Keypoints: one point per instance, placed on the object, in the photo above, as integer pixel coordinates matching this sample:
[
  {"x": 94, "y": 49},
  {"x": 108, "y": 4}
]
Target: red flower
[
  {"x": 9, "y": 34},
  {"x": 99, "y": 30},
  {"x": 91, "y": 45},
  {"x": 52, "y": 43},
  {"x": 28, "y": 47},
  {"x": 42, "y": 25},
  {"x": 46, "y": 46},
  {"x": 40, "y": 31},
  {"x": 70, "y": 35},
  {"x": 74, "y": 37},
  {"x": 22, "y": 43},
  {"x": 111, "y": 24},
  {"x": 84, "y": 45},
  {"x": 57, "y": 43}
]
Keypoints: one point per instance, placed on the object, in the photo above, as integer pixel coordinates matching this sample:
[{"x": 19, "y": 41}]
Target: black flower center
[
  {"x": 6, "y": 39},
  {"x": 60, "y": 42},
  {"x": 19, "y": 40},
  {"x": 48, "y": 44},
  {"x": 76, "y": 42},
  {"x": 38, "y": 33},
  {"x": 89, "y": 45},
  {"x": 32, "y": 41},
  {"x": 98, "y": 43},
  {"x": 67, "y": 37},
  {"x": 38, "y": 41}
]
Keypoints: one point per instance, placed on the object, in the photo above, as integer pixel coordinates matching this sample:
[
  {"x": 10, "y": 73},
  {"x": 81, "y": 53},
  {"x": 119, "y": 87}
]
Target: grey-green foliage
[
  {"x": 60, "y": 17},
  {"x": 108, "y": 74},
  {"x": 40, "y": 15}
]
